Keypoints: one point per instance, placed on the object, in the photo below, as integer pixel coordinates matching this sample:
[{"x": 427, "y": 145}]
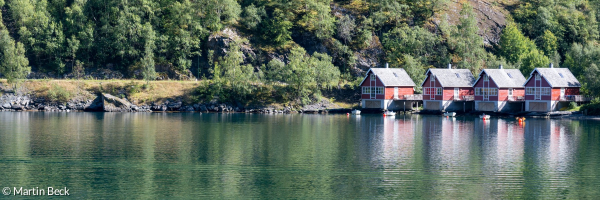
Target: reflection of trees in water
[{"x": 290, "y": 156}]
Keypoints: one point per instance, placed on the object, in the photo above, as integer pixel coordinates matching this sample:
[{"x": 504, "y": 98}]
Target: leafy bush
[
  {"x": 59, "y": 94},
  {"x": 592, "y": 108},
  {"x": 572, "y": 105},
  {"x": 134, "y": 88}
]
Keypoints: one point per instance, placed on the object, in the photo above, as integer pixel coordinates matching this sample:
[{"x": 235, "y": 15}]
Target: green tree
[
  {"x": 414, "y": 41},
  {"x": 277, "y": 30},
  {"x": 343, "y": 56},
  {"x": 304, "y": 74},
  {"x": 579, "y": 57},
  {"x": 416, "y": 71},
  {"x": 548, "y": 43},
  {"x": 591, "y": 82},
  {"x": 326, "y": 74},
  {"x": 388, "y": 13},
  {"x": 513, "y": 45},
  {"x": 14, "y": 64},
  {"x": 345, "y": 28},
  {"x": 148, "y": 70},
  {"x": 234, "y": 75},
  {"x": 253, "y": 16},
  {"x": 217, "y": 13},
  {"x": 465, "y": 41},
  {"x": 317, "y": 19},
  {"x": 534, "y": 59}
]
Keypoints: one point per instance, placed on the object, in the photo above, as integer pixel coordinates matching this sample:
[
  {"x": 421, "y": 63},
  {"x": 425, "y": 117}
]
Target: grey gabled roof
[
  {"x": 392, "y": 77},
  {"x": 503, "y": 80},
  {"x": 554, "y": 78},
  {"x": 449, "y": 78}
]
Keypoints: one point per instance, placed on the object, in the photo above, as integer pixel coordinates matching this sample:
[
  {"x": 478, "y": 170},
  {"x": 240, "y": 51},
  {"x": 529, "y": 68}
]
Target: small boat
[
  {"x": 450, "y": 114},
  {"x": 389, "y": 113},
  {"x": 484, "y": 117},
  {"x": 356, "y": 112}
]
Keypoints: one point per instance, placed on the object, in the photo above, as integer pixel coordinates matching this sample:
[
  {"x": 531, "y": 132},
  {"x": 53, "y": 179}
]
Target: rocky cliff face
[
  {"x": 220, "y": 42},
  {"x": 491, "y": 17}
]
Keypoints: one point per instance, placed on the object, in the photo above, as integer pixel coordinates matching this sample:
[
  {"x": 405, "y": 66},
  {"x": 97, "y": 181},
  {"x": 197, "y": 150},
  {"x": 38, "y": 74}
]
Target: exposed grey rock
[
  {"x": 16, "y": 107},
  {"x": 94, "y": 105},
  {"x": 220, "y": 42},
  {"x": 203, "y": 108},
  {"x": 187, "y": 109},
  {"x": 174, "y": 106},
  {"x": 115, "y": 104}
]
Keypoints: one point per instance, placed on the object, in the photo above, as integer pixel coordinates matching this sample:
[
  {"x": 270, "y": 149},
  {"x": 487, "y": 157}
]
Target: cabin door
[
  {"x": 373, "y": 80},
  {"x": 395, "y": 92},
  {"x": 486, "y": 94},
  {"x": 538, "y": 93},
  {"x": 486, "y": 87},
  {"x": 562, "y": 93},
  {"x": 456, "y": 93}
]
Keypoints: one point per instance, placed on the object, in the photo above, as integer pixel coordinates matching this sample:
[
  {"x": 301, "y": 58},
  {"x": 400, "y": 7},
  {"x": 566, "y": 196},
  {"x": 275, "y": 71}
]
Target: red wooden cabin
[
  {"x": 499, "y": 90},
  {"x": 382, "y": 86},
  {"x": 549, "y": 89},
  {"x": 443, "y": 87}
]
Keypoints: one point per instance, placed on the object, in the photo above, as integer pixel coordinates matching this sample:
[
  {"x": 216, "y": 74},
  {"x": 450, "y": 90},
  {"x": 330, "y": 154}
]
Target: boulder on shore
[{"x": 114, "y": 104}]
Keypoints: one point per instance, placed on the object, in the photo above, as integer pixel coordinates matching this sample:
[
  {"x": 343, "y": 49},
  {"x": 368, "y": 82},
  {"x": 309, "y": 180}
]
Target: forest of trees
[{"x": 70, "y": 36}]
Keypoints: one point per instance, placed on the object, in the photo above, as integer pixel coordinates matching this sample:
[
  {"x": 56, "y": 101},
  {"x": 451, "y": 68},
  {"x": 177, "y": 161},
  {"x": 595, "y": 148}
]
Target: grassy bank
[
  {"x": 140, "y": 92},
  {"x": 135, "y": 90}
]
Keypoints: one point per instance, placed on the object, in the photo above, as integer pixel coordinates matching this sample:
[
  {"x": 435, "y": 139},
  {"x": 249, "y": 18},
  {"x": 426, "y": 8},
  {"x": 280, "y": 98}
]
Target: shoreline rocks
[{"x": 109, "y": 103}]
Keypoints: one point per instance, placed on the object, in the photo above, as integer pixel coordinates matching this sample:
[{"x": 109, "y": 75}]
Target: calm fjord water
[{"x": 192, "y": 155}]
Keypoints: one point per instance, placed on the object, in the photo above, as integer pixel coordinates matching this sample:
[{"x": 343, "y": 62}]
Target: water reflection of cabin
[
  {"x": 499, "y": 90},
  {"x": 387, "y": 88},
  {"x": 549, "y": 89},
  {"x": 448, "y": 89}
]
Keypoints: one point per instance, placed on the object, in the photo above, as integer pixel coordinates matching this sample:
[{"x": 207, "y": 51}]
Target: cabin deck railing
[
  {"x": 464, "y": 98},
  {"x": 576, "y": 98},
  {"x": 516, "y": 98},
  {"x": 412, "y": 97}
]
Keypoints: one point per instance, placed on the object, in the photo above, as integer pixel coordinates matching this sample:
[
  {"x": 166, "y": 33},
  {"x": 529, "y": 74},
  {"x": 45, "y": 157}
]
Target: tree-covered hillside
[{"x": 305, "y": 44}]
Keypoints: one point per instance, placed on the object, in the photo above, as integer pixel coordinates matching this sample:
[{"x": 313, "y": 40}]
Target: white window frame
[
  {"x": 537, "y": 77},
  {"x": 486, "y": 77},
  {"x": 510, "y": 92},
  {"x": 439, "y": 91}
]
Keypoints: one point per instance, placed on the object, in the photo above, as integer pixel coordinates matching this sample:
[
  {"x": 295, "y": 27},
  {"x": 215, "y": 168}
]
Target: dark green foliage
[
  {"x": 466, "y": 44},
  {"x": 143, "y": 35},
  {"x": 345, "y": 28},
  {"x": 415, "y": 70},
  {"x": 343, "y": 56},
  {"x": 416, "y": 42},
  {"x": 13, "y": 63},
  {"x": 583, "y": 61},
  {"x": 593, "y": 108},
  {"x": 572, "y": 105},
  {"x": 277, "y": 30},
  {"x": 253, "y": 16},
  {"x": 304, "y": 74}
]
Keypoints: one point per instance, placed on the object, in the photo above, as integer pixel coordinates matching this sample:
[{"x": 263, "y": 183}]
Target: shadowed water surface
[{"x": 192, "y": 155}]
